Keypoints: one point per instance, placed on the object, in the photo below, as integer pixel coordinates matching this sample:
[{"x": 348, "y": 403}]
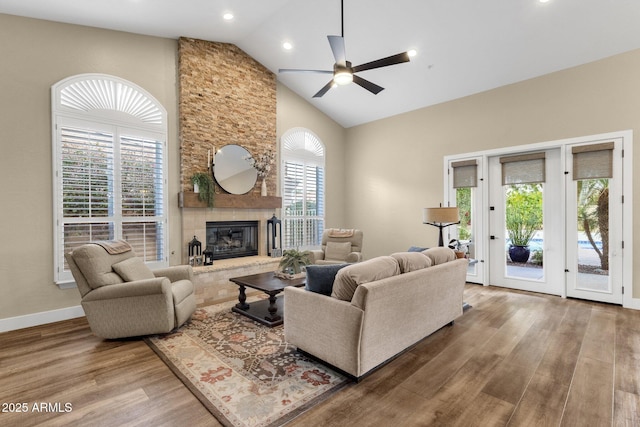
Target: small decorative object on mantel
[
  {"x": 203, "y": 185},
  {"x": 274, "y": 249},
  {"x": 292, "y": 264},
  {"x": 262, "y": 164}
]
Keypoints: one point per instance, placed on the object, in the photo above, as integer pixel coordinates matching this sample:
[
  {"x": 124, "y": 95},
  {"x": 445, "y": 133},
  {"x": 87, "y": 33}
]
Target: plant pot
[
  {"x": 196, "y": 187},
  {"x": 519, "y": 253}
]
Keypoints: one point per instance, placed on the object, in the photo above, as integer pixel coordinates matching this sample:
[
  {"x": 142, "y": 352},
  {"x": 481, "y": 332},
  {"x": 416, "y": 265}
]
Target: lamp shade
[{"x": 440, "y": 215}]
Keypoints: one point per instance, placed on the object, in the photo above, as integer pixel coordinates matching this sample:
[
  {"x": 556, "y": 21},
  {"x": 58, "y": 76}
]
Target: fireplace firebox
[{"x": 232, "y": 239}]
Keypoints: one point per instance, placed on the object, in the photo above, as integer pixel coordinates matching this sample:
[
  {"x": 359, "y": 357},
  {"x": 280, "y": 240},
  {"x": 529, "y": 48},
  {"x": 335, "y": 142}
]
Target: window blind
[
  {"x": 523, "y": 169},
  {"x": 593, "y": 161},
  {"x": 465, "y": 173},
  {"x": 93, "y": 208},
  {"x": 303, "y": 202},
  {"x": 302, "y": 189}
]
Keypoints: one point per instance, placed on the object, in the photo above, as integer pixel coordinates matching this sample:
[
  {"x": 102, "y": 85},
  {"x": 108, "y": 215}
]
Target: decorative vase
[
  {"x": 196, "y": 187},
  {"x": 263, "y": 188},
  {"x": 519, "y": 253}
]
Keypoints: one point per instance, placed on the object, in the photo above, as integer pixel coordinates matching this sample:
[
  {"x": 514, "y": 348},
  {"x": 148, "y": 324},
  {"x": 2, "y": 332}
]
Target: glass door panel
[
  {"x": 464, "y": 202},
  {"x": 524, "y": 231},
  {"x": 592, "y": 234}
]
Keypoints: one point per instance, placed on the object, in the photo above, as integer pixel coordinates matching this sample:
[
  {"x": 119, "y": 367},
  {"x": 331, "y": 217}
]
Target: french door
[
  {"x": 466, "y": 191},
  {"x": 526, "y": 209},
  {"x": 594, "y": 221},
  {"x": 564, "y": 200}
]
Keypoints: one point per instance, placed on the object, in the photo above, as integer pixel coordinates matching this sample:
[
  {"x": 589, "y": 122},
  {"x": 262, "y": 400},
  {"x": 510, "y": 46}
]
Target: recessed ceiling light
[
  {"x": 228, "y": 16},
  {"x": 412, "y": 52},
  {"x": 287, "y": 46},
  {"x": 543, "y": 1}
]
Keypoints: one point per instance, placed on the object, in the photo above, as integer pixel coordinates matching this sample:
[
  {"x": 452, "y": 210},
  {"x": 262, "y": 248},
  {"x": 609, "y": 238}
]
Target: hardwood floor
[{"x": 515, "y": 358}]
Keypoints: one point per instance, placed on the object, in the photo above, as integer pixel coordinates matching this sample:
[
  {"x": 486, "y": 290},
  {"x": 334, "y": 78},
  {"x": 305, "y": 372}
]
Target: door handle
[{"x": 493, "y": 237}]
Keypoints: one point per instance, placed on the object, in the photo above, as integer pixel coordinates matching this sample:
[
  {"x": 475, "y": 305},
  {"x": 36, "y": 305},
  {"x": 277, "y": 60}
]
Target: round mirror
[{"x": 232, "y": 170}]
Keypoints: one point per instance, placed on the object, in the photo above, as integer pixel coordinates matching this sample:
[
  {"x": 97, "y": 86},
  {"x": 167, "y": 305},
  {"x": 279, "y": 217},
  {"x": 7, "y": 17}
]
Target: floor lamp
[{"x": 441, "y": 218}]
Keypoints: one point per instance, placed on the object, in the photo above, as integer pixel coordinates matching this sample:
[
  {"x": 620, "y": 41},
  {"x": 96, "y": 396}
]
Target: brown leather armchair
[{"x": 122, "y": 297}]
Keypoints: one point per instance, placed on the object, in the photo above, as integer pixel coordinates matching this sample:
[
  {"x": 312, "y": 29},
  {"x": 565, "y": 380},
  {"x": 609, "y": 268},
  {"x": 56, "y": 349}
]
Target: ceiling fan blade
[
  {"x": 384, "y": 62},
  {"x": 371, "y": 87},
  {"x": 296, "y": 70},
  {"x": 337, "y": 47},
  {"x": 324, "y": 89}
]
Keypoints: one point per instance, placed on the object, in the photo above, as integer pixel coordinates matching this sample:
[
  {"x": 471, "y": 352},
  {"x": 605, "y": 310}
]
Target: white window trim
[
  {"x": 83, "y": 99},
  {"x": 313, "y": 154}
]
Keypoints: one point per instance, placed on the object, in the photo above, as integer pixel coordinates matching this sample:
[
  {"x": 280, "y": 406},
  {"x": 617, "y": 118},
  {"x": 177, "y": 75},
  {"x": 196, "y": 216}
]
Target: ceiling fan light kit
[{"x": 343, "y": 72}]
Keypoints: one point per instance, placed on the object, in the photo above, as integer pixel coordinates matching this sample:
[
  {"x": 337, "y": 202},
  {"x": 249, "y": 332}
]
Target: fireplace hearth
[{"x": 232, "y": 239}]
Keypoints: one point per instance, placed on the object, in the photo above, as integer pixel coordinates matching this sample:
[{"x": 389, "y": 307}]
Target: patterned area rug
[{"x": 244, "y": 372}]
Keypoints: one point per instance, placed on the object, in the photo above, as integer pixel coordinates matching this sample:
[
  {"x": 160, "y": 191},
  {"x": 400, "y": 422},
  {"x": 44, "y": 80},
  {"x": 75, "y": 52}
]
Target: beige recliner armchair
[
  {"x": 339, "y": 246},
  {"x": 122, "y": 297}
]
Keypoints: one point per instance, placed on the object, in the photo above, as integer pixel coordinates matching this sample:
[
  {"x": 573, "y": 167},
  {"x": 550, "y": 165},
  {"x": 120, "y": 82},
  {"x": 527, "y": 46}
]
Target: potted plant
[
  {"x": 523, "y": 219},
  {"x": 292, "y": 263},
  {"x": 458, "y": 247},
  {"x": 203, "y": 185}
]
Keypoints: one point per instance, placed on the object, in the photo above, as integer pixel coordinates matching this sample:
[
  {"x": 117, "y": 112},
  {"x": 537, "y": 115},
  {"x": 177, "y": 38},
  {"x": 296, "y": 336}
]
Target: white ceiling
[{"x": 464, "y": 46}]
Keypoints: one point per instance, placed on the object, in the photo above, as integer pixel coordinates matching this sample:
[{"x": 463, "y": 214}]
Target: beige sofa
[{"x": 407, "y": 300}]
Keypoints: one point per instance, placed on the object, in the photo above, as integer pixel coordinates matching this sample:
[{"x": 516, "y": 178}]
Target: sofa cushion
[
  {"x": 440, "y": 254},
  {"x": 95, "y": 265},
  {"x": 133, "y": 269},
  {"x": 320, "y": 277},
  {"x": 337, "y": 251},
  {"x": 411, "y": 261},
  {"x": 352, "y": 276}
]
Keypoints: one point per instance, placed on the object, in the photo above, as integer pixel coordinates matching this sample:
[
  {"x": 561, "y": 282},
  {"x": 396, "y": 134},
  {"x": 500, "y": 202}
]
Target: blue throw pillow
[
  {"x": 416, "y": 249},
  {"x": 320, "y": 278}
]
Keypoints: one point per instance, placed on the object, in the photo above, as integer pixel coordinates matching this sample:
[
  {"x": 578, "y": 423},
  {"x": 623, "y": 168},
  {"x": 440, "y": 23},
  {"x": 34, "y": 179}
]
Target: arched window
[
  {"x": 302, "y": 188},
  {"x": 109, "y": 167}
]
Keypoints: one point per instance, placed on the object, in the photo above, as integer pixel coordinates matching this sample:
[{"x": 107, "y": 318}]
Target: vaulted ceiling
[{"x": 463, "y": 46}]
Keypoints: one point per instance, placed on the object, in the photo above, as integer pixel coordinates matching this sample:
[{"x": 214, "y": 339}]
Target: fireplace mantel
[{"x": 188, "y": 199}]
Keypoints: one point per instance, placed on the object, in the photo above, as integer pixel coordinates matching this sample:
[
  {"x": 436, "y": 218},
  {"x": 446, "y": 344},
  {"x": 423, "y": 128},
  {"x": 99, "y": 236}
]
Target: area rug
[{"x": 244, "y": 372}]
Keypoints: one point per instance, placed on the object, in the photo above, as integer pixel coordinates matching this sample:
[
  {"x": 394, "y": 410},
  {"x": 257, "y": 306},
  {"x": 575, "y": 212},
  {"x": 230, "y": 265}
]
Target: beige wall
[
  {"x": 293, "y": 111},
  {"x": 396, "y": 164},
  {"x": 35, "y": 55}
]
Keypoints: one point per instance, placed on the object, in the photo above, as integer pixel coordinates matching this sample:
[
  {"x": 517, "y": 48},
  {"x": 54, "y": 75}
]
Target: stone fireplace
[
  {"x": 232, "y": 239},
  {"x": 225, "y": 97}
]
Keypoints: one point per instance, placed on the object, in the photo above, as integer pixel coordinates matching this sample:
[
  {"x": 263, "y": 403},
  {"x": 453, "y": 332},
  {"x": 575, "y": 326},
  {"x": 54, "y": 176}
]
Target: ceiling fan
[{"x": 343, "y": 72}]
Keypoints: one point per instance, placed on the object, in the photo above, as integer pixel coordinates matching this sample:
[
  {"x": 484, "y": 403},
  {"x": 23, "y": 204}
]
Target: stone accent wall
[{"x": 225, "y": 97}]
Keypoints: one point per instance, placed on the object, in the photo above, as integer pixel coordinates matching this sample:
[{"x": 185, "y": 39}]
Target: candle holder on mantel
[
  {"x": 195, "y": 252},
  {"x": 273, "y": 224}
]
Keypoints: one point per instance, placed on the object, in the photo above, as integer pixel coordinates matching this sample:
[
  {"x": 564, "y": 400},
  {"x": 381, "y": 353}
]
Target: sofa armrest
[
  {"x": 138, "y": 288},
  {"x": 316, "y": 255},
  {"x": 354, "y": 257},
  {"x": 175, "y": 273},
  {"x": 327, "y": 328}
]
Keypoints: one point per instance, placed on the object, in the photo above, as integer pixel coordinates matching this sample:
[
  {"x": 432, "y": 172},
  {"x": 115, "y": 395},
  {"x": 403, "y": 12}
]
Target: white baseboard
[
  {"x": 42, "y": 318},
  {"x": 633, "y": 303}
]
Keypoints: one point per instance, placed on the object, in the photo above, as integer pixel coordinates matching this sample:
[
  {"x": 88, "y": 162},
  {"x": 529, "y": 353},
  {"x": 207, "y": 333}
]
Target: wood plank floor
[{"x": 514, "y": 359}]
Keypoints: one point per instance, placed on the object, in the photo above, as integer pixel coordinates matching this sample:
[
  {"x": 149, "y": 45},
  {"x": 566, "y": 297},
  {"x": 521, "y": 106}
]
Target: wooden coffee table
[{"x": 267, "y": 312}]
